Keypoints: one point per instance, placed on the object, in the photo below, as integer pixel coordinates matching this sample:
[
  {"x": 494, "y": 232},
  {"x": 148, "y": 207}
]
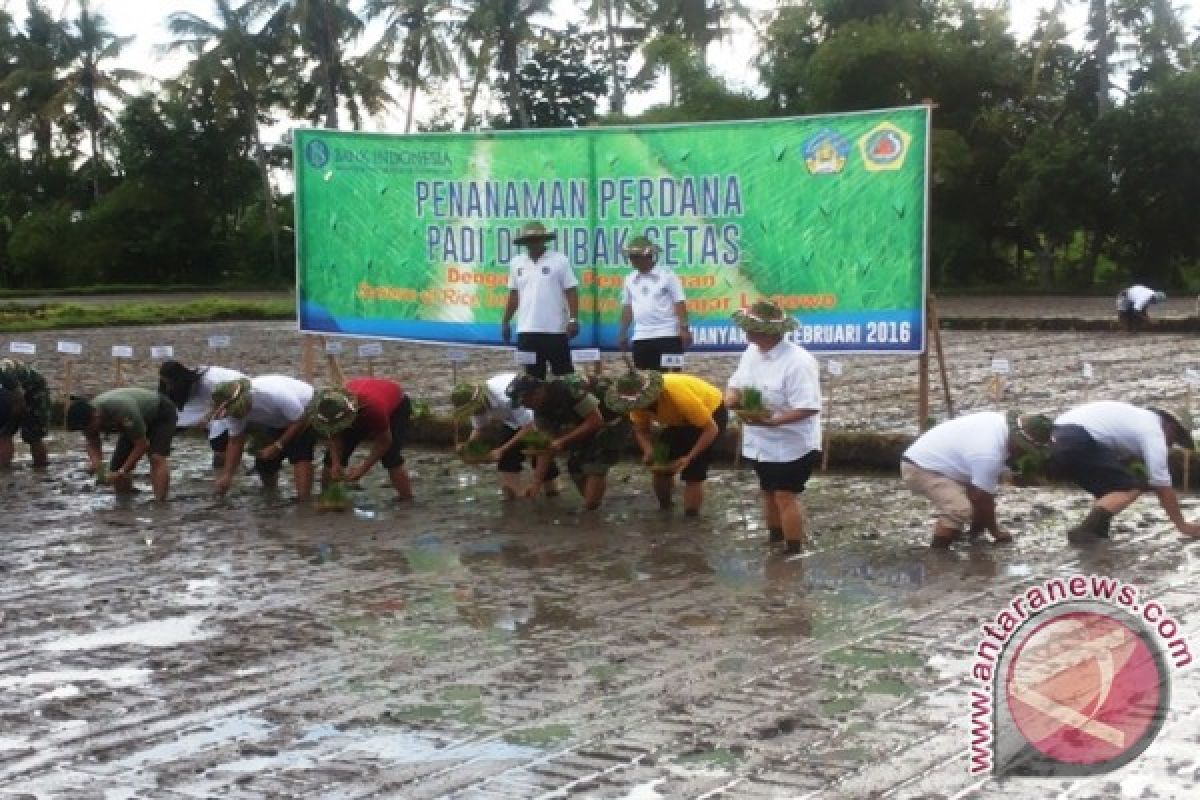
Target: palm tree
[
  {"x": 421, "y": 31},
  {"x": 92, "y": 43},
  {"x": 502, "y": 28},
  {"x": 229, "y": 52},
  {"x": 41, "y": 54},
  {"x": 694, "y": 24},
  {"x": 322, "y": 29},
  {"x": 614, "y": 12}
]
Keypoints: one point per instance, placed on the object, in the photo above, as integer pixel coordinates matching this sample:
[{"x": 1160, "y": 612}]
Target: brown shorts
[{"x": 952, "y": 506}]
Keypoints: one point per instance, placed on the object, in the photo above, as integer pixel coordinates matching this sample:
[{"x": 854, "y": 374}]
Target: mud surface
[{"x": 459, "y": 647}]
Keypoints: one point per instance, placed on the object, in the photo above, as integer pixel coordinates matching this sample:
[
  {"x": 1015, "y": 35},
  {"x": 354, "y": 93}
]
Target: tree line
[{"x": 1059, "y": 162}]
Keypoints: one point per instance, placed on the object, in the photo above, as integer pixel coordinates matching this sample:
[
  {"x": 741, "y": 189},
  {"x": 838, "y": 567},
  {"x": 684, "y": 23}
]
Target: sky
[{"x": 146, "y": 20}]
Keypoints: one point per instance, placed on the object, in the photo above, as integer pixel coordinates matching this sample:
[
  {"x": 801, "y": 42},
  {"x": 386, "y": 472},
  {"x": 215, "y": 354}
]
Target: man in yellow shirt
[{"x": 692, "y": 415}]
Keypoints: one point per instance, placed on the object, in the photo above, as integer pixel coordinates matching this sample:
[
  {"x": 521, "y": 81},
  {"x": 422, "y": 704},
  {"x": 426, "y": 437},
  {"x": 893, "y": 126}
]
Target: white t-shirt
[
  {"x": 276, "y": 401},
  {"x": 653, "y": 297},
  {"x": 789, "y": 378},
  {"x": 969, "y": 449},
  {"x": 199, "y": 403},
  {"x": 541, "y": 287},
  {"x": 500, "y": 407},
  {"x": 1135, "y": 298},
  {"x": 1127, "y": 429}
]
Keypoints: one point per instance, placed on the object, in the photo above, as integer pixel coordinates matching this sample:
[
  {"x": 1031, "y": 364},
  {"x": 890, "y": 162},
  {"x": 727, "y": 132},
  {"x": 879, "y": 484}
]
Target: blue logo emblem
[
  {"x": 825, "y": 152},
  {"x": 316, "y": 153}
]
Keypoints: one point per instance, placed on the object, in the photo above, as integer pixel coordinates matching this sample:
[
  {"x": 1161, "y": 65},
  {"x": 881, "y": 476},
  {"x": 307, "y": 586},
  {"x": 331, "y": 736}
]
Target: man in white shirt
[
  {"x": 276, "y": 406},
  {"x": 191, "y": 392},
  {"x": 542, "y": 294},
  {"x": 1092, "y": 445},
  {"x": 957, "y": 466},
  {"x": 1133, "y": 306},
  {"x": 488, "y": 403},
  {"x": 652, "y": 301},
  {"x": 784, "y": 446}
]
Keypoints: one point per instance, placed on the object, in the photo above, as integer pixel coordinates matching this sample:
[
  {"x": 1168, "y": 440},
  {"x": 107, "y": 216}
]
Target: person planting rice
[
  {"x": 273, "y": 406},
  {"x": 368, "y": 409},
  {"x": 542, "y": 293},
  {"x": 146, "y": 423},
  {"x": 24, "y": 407},
  {"x": 568, "y": 412},
  {"x": 692, "y": 416},
  {"x": 783, "y": 443},
  {"x": 488, "y": 403},
  {"x": 191, "y": 392},
  {"x": 653, "y": 302},
  {"x": 957, "y": 466},
  {"x": 1133, "y": 306},
  {"x": 1092, "y": 445}
]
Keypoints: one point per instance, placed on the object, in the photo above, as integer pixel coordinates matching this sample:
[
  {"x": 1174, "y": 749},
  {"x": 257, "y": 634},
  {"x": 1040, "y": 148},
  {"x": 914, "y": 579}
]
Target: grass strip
[{"x": 15, "y": 317}]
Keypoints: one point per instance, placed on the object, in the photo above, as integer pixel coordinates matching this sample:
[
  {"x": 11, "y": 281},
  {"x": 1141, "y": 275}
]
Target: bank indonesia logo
[
  {"x": 884, "y": 148},
  {"x": 825, "y": 153},
  {"x": 316, "y": 153}
]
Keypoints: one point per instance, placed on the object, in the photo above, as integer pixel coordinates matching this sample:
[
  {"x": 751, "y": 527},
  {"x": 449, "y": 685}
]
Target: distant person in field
[
  {"x": 191, "y": 392},
  {"x": 652, "y": 301},
  {"x": 24, "y": 407},
  {"x": 957, "y": 467},
  {"x": 274, "y": 409},
  {"x": 1093, "y": 446},
  {"x": 1133, "y": 306},
  {"x": 542, "y": 295},
  {"x": 145, "y": 421},
  {"x": 374, "y": 410},
  {"x": 486, "y": 404}
]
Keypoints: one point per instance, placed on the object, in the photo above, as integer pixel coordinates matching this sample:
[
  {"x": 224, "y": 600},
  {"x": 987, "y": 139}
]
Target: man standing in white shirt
[
  {"x": 957, "y": 465},
  {"x": 652, "y": 301},
  {"x": 784, "y": 446},
  {"x": 1133, "y": 306},
  {"x": 1092, "y": 445},
  {"x": 542, "y": 293}
]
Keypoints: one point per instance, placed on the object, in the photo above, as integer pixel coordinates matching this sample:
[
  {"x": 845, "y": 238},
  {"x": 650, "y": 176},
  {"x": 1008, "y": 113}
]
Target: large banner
[{"x": 409, "y": 236}]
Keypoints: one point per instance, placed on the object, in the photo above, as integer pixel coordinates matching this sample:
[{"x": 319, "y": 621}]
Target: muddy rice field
[{"x": 462, "y": 647}]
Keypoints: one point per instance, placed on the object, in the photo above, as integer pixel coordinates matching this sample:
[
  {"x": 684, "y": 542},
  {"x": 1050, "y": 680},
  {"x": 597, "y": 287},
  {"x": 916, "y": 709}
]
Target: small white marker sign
[
  {"x": 1192, "y": 376},
  {"x": 671, "y": 360},
  {"x": 524, "y": 357},
  {"x": 333, "y": 348},
  {"x": 834, "y": 367},
  {"x": 1089, "y": 373},
  {"x": 586, "y": 356},
  {"x": 24, "y": 348},
  {"x": 1000, "y": 366},
  {"x": 122, "y": 351},
  {"x": 162, "y": 351},
  {"x": 457, "y": 356},
  {"x": 70, "y": 348},
  {"x": 370, "y": 350},
  {"x": 218, "y": 342}
]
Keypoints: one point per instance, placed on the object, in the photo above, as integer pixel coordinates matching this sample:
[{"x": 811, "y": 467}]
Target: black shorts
[
  {"x": 554, "y": 348},
  {"x": 218, "y": 443},
  {"x": 160, "y": 432},
  {"x": 681, "y": 439},
  {"x": 298, "y": 450},
  {"x": 648, "y": 353},
  {"x": 513, "y": 459},
  {"x": 397, "y": 424},
  {"x": 1077, "y": 457},
  {"x": 1133, "y": 318},
  {"x": 786, "y": 476}
]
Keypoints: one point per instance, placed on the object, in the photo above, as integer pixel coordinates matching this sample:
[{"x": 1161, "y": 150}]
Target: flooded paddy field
[{"x": 463, "y": 647}]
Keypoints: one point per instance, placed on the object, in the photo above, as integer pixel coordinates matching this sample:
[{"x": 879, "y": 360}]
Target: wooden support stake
[
  {"x": 935, "y": 330},
  {"x": 120, "y": 379},
  {"x": 309, "y": 358},
  {"x": 370, "y": 367},
  {"x": 67, "y": 368},
  {"x": 1187, "y": 454},
  {"x": 923, "y": 391},
  {"x": 335, "y": 370},
  {"x": 826, "y": 413}
]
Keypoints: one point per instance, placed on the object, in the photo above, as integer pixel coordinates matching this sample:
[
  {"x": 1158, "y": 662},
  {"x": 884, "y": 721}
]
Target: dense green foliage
[{"x": 1060, "y": 162}]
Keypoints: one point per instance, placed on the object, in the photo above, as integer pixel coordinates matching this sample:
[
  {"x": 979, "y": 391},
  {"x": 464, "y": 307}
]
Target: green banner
[{"x": 409, "y": 236}]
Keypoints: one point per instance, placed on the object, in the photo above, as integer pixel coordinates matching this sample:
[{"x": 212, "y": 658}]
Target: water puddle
[
  {"x": 115, "y": 678},
  {"x": 186, "y": 746},
  {"x": 158, "y": 633}
]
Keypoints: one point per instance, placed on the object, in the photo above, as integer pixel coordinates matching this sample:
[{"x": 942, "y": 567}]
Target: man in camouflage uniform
[{"x": 24, "y": 407}]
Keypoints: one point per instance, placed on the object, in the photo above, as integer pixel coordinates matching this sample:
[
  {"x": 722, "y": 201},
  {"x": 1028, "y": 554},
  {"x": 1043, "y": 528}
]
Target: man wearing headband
[
  {"x": 692, "y": 416},
  {"x": 368, "y": 409},
  {"x": 652, "y": 301},
  {"x": 145, "y": 421},
  {"x": 1092, "y": 446},
  {"x": 489, "y": 404},
  {"x": 542, "y": 295},
  {"x": 274, "y": 407},
  {"x": 784, "y": 446},
  {"x": 24, "y": 407},
  {"x": 957, "y": 466}
]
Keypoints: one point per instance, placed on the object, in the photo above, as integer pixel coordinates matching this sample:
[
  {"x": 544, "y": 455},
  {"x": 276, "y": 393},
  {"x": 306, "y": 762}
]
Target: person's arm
[
  {"x": 733, "y": 397},
  {"x": 514, "y": 441},
  {"x": 685, "y": 331},
  {"x": 276, "y": 448},
  {"x": 788, "y": 417},
  {"x": 626, "y": 322},
  {"x": 641, "y": 432},
  {"x": 140, "y": 446},
  {"x": 707, "y": 437},
  {"x": 572, "y": 296},
  {"x": 335, "y": 458},
  {"x": 983, "y": 512},
  {"x": 1170, "y": 504},
  {"x": 590, "y": 424},
  {"x": 379, "y": 446},
  {"x": 233, "y": 460},
  {"x": 510, "y": 308}
]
